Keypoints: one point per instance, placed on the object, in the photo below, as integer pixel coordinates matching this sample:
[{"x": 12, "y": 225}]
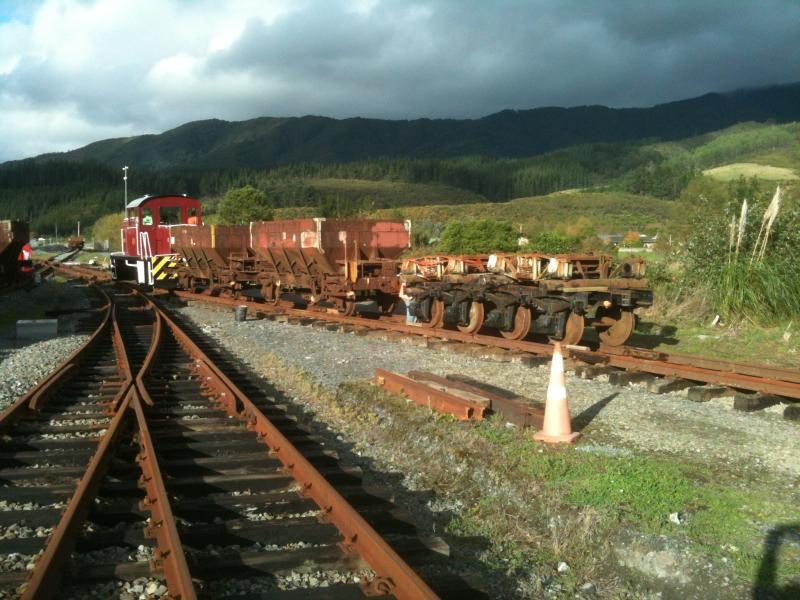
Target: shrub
[
  {"x": 552, "y": 242},
  {"x": 107, "y": 227},
  {"x": 242, "y": 205},
  {"x": 478, "y": 237}
]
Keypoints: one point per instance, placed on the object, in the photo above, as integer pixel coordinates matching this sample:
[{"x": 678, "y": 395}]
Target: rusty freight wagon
[
  {"x": 13, "y": 236},
  {"x": 336, "y": 261}
]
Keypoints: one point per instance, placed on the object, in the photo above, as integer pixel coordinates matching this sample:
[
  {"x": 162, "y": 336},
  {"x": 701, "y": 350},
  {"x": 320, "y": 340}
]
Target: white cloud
[{"x": 74, "y": 71}]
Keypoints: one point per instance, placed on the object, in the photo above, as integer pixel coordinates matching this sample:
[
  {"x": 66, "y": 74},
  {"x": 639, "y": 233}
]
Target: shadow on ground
[{"x": 766, "y": 586}]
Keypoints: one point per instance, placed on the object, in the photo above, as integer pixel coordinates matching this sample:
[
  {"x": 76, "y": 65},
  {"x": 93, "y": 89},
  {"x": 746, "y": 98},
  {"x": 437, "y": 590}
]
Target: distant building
[{"x": 647, "y": 242}]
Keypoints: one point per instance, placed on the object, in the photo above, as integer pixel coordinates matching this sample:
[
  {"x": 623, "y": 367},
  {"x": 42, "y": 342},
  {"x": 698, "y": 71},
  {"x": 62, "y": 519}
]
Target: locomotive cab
[{"x": 147, "y": 237}]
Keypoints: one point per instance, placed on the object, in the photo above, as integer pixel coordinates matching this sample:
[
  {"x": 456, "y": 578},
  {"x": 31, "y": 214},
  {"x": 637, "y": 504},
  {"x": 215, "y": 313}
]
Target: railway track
[
  {"x": 149, "y": 466},
  {"x": 661, "y": 371}
]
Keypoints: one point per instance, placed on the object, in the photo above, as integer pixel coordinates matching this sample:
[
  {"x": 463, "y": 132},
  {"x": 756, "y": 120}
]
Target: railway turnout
[{"x": 147, "y": 464}]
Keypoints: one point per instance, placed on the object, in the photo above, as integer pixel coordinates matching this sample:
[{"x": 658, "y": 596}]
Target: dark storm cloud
[
  {"x": 456, "y": 58},
  {"x": 80, "y": 70}
]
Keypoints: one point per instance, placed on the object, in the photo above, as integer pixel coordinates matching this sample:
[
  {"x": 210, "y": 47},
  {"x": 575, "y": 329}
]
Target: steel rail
[
  {"x": 753, "y": 383},
  {"x": 45, "y": 578},
  {"x": 81, "y": 272},
  {"x": 394, "y": 575},
  {"x": 14, "y": 411},
  {"x": 755, "y": 378},
  {"x": 169, "y": 557}
]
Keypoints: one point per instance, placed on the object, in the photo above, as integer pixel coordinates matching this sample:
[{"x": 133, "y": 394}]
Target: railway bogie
[{"x": 522, "y": 294}]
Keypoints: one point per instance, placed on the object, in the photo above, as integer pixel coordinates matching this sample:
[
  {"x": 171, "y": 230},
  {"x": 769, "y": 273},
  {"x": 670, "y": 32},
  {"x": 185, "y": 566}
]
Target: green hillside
[
  {"x": 382, "y": 194},
  {"x": 566, "y": 212},
  {"x": 57, "y": 194},
  {"x": 268, "y": 142}
]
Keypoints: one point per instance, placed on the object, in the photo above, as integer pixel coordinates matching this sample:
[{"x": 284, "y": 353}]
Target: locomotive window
[
  {"x": 169, "y": 215},
  {"x": 147, "y": 216}
]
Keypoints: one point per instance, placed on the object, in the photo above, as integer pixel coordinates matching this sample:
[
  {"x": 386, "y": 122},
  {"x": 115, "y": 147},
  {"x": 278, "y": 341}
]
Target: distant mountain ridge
[{"x": 271, "y": 141}]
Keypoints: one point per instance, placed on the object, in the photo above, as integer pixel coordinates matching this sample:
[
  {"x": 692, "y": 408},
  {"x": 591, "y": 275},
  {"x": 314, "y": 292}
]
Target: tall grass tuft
[
  {"x": 763, "y": 288},
  {"x": 762, "y": 292}
]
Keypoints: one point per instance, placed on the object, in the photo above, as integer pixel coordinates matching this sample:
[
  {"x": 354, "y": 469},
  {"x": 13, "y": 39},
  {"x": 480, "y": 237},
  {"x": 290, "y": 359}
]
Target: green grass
[
  {"x": 777, "y": 145},
  {"x": 722, "y": 516},
  {"x": 778, "y": 345},
  {"x": 735, "y": 170},
  {"x": 605, "y": 211}
]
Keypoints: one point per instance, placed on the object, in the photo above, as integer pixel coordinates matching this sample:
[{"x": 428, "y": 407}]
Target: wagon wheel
[
  {"x": 437, "y": 314},
  {"x": 348, "y": 309},
  {"x": 573, "y": 330},
  {"x": 522, "y": 324},
  {"x": 475, "y": 318},
  {"x": 387, "y": 303},
  {"x": 621, "y": 324}
]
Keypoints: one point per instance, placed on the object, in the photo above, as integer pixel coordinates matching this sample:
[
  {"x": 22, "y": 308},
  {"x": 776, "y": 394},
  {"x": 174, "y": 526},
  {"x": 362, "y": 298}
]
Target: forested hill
[{"x": 269, "y": 142}]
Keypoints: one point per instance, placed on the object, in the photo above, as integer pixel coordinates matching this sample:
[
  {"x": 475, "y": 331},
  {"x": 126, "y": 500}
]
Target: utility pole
[{"x": 125, "y": 179}]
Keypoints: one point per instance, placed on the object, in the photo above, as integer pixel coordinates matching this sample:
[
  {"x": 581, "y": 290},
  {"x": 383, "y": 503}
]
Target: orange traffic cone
[{"x": 557, "y": 426}]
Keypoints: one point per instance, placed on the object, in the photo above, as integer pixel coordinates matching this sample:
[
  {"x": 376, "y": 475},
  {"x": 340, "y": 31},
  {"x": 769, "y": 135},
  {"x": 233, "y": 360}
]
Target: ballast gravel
[
  {"x": 666, "y": 423},
  {"x": 23, "y": 364}
]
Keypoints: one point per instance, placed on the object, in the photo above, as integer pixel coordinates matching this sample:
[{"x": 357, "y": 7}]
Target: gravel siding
[
  {"x": 23, "y": 364},
  {"x": 628, "y": 416}
]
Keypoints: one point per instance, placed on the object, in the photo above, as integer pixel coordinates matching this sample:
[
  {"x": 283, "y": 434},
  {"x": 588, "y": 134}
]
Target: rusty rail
[
  {"x": 45, "y": 578},
  {"x": 14, "y": 411},
  {"x": 393, "y": 575},
  {"x": 169, "y": 556}
]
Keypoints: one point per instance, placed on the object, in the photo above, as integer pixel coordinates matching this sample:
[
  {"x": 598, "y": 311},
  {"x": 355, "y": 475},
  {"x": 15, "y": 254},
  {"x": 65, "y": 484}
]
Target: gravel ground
[
  {"x": 710, "y": 431},
  {"x": 23, "y": 364}
]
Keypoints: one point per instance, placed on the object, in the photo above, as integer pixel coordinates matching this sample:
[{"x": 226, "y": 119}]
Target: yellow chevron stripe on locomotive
[{"x": 165, "y": 267}]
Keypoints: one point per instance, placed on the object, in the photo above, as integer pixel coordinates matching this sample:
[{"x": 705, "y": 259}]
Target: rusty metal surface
[
  {"x": 169, "y": 555},
  {"x": 432, "y": 397},
  {"x": 394, "y": 576},
  {"x": 44, "y": 580},
  {"x": 82, "y": 272},
  {"x": 338, "y": 239},
  {"x": 513, "y": 408}
]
